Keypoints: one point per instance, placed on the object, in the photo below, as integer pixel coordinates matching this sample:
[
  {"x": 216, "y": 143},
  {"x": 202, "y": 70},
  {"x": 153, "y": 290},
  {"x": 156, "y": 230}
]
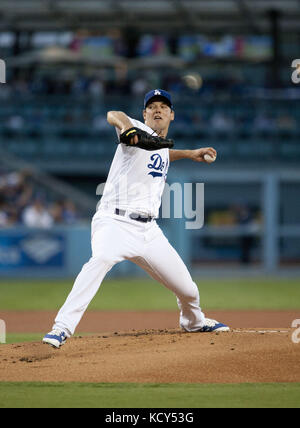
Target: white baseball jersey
[{"x": 136, "y": 178}]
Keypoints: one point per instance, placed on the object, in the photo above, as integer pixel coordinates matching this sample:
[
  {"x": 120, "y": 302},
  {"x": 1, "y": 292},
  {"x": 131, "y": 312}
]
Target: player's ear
[
  {"x": 144, "y": 114},
  {"x": 172, "y": 115}
]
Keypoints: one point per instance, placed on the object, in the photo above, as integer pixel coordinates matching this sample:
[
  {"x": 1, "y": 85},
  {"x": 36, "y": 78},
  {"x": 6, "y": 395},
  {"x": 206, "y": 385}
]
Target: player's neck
[
  {"x": 163, "y": 133},
  {"x": 160, "y": 132}
]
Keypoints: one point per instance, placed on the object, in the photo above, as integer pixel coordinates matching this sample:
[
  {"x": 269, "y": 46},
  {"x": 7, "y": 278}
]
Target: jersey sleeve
[
  {"x": 137, "y": 124},
  {"x": 118, "y": 131}
]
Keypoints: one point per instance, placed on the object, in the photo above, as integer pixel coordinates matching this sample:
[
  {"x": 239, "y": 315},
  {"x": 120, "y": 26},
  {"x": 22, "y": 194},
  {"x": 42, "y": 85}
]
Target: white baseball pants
[{"x": 116, "y": 238}]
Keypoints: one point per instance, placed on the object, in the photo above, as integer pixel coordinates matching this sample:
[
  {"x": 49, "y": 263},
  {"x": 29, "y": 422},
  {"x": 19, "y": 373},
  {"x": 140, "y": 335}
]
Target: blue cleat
[
  {"x": 55, "y": 338},
  {"x": 213, "y": 326}
]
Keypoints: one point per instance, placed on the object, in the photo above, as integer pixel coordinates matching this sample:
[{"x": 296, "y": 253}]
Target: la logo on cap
[{"x": 157, "y": 92}]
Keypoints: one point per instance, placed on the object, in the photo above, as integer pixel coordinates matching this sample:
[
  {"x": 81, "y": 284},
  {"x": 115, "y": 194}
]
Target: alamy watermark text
[
  {"x": 187, "y": 199},
  {"x": 2, "y": 71},
  {"x": 296, "y": 333},
  {"x": 2, "y": 331},
  {"x": 296, "y": 72}
]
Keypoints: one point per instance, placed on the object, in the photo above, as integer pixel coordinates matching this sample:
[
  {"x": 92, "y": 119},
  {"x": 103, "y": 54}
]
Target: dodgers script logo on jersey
[{"x": 158, "y": 165}]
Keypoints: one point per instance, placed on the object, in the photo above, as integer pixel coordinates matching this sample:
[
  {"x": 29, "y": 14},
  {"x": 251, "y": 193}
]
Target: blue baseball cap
[{"x": 159, "y": 95}]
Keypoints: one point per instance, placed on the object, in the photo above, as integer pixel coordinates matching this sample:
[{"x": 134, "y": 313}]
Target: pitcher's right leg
[
  {"x": 85, "y": 287},
  {"x": 107, "y": 249}
]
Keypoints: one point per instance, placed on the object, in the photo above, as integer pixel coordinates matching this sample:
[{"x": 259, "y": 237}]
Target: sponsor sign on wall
[{"x": 31, "y": 249}]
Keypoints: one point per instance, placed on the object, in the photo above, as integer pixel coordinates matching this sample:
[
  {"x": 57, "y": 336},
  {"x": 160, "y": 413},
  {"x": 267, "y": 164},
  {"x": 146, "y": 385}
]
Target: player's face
[{"x": 158, "y": 116}]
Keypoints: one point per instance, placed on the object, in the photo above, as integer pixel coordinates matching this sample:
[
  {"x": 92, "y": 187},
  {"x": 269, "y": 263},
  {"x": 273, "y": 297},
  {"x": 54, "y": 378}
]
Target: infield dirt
[
  {"x": 103, "y": 321},
  {"x": 163, "y": 355}
]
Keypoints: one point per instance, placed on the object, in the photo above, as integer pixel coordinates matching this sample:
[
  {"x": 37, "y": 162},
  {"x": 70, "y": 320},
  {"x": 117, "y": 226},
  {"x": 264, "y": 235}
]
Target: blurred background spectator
[
  {"x": 244, "y": 218},
  {"x": 36, "y": 215},
  {"x": 21, "y": 204}
]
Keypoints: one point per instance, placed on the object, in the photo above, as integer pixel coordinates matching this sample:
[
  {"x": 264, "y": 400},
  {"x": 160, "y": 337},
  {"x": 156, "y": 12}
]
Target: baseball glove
[{"x": 146, "y": 141}]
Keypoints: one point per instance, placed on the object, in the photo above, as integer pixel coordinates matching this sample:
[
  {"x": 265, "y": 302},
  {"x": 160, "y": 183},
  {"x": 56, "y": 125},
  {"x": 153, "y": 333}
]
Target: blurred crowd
[
  {"x": 79, "y": 124},
  {"x": 116, "y": 81},
  {"x": 23, "y": 204},
  {"x": 91, "y": 115}
]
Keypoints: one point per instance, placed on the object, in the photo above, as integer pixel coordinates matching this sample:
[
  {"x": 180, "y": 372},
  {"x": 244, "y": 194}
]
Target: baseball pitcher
[{"x": 124, "y": 226}]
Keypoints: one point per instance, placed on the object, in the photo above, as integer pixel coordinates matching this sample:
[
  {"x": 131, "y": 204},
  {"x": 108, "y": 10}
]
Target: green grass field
[
  {"x": 32, "y": 337},
  {"x": 144, "y": 294},
  {"x": 149, "y": 395}
]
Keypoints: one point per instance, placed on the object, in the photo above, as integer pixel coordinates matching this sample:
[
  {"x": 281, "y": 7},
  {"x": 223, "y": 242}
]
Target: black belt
[{"x": 134, "y": 216}]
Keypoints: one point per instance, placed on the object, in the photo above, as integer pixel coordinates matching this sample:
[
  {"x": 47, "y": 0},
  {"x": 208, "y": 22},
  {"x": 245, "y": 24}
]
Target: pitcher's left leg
[{"x": 164, "y": 264}]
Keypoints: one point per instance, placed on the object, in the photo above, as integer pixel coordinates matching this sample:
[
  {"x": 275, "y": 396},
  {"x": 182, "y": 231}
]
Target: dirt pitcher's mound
[{"x": 158, "y": 356}]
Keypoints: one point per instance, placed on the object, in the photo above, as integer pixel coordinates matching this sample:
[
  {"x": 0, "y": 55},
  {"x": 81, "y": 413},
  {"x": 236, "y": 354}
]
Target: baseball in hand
[{"x": 209, "y": 159}]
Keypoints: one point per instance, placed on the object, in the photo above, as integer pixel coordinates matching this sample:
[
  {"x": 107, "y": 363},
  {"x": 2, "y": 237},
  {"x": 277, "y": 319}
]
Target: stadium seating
[{"x": 59, "y": 127}]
